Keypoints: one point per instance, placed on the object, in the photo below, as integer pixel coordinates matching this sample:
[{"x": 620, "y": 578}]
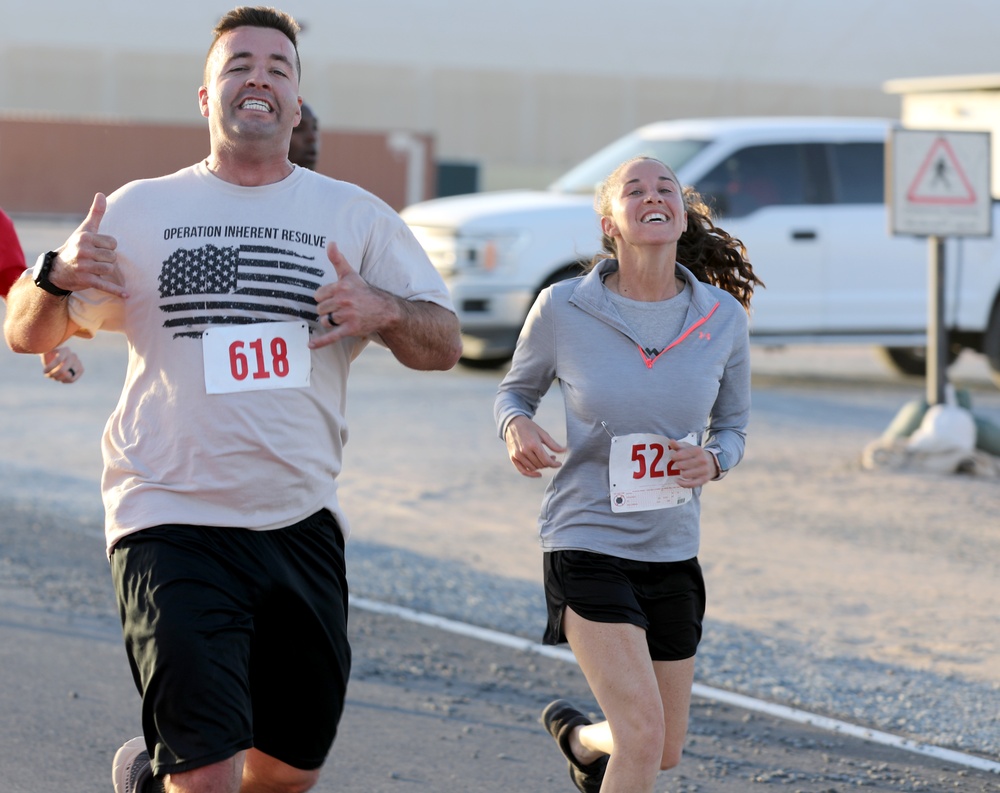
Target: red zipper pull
[{"x": 645, "y": 358}]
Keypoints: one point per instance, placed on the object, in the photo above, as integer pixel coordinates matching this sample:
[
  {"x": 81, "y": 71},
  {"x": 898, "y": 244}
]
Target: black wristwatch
[{"x": 41, "y": 275}]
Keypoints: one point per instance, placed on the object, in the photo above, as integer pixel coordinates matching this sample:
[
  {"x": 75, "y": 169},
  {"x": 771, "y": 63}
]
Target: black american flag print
[{"x": 240, "y": 285}]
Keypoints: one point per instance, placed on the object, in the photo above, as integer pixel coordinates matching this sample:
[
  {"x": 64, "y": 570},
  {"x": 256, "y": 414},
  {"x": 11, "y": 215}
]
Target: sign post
[{"x": 938, "y": 185}]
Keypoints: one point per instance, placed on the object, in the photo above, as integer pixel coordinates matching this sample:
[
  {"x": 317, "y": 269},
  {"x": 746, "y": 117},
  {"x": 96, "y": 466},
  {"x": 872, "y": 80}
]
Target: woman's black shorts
[
  {"x": 665, "y": 599},
  {"x": 236, "y": 639}
]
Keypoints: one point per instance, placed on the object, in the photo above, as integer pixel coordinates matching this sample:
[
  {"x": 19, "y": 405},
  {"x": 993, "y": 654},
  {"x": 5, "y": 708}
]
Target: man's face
[
  {"x": 251, "y": 91},
  {"x": 304, "y": 147}
]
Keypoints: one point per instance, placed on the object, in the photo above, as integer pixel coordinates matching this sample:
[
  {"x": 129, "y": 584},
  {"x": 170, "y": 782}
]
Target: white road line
[{"x": 705, "y": 692}]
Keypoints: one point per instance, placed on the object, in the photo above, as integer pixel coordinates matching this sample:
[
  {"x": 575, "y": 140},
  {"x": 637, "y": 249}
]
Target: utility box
[
  {"x": 961, "y": 103},
  {"x": 457, "y": 178}
]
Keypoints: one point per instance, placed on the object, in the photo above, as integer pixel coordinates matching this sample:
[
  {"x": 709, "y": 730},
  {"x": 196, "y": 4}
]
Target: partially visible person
[
  {"x": 651, "y": 351},
  {"x": 303, "y": 149},
  {"x": 60, "y": 364},
  {"x": 245, "y": 287}
]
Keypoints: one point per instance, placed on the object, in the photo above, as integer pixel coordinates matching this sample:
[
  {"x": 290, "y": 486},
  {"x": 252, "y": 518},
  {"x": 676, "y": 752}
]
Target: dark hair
[
  {"x": 258, "y": 17},
  {"x": 712, "y": 254}
]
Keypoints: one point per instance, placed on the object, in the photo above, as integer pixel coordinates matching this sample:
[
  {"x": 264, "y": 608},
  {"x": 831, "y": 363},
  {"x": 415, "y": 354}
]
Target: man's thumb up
[{"x": 92, "y": 222}]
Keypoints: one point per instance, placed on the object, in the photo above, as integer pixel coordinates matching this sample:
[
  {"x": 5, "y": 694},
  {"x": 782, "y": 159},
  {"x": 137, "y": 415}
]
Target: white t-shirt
[{"x": 197, "y": 253}]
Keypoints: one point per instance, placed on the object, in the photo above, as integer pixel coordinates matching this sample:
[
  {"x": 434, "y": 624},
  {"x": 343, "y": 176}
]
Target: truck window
[
  {"x": 858, "y": 172},
  {"x": 757, "y": 177},
  {"x": 586, "y": 177}
]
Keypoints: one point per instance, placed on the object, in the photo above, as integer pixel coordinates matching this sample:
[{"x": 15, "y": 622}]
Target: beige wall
[
  {"x": 522, "y": 127},
  {"x": 524, "y": 88},
  {"x": 55, "y": 166},
  {"x": 526, "y": 129}
]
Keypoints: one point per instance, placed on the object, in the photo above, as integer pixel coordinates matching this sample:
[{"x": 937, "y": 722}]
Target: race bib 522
[{"x": 641, "y": 474}]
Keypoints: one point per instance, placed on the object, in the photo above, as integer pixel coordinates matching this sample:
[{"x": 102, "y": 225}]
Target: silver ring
[{"x": 329, "y": 318}]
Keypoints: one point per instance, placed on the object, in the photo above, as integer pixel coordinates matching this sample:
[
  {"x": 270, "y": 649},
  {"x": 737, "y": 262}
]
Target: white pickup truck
[{"x": 806, "y": 196}]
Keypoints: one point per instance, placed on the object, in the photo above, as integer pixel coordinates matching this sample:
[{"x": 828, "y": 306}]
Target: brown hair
[
  {"x": 257, "y": 17},
  {"x": 713, "y": 255}
]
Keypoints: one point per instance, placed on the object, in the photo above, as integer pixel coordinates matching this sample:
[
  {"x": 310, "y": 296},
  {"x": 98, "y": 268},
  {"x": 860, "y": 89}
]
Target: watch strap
[{"x": 41, "y": 275}]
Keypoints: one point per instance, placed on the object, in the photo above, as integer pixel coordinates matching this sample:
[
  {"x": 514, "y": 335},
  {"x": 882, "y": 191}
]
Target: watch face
[
  {"x": 41, "y": 275},
  {"x": 40, "y": 263},
  {"x": 43, "y": 267}
]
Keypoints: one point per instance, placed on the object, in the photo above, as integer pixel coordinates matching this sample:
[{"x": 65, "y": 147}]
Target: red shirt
[{"x": 11, "y": 256}]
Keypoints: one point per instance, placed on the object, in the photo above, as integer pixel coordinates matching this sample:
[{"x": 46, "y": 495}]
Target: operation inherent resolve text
[{"x": 246, "y": 232}]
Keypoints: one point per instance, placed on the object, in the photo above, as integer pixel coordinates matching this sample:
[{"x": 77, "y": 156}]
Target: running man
[{"x": 245, "y": 286}]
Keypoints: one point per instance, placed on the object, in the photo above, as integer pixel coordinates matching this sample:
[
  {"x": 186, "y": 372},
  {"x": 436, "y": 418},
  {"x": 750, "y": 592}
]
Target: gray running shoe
[{"x": 131, "y": 768}]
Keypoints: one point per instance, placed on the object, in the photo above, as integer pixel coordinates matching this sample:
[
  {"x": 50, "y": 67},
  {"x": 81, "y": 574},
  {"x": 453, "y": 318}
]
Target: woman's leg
[
  {"x": 615, "y": 660},
  {"x": 675, "y": 679}
]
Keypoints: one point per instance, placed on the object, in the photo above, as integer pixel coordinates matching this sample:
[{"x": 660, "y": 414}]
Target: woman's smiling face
[{"x": 646, "y": 206}]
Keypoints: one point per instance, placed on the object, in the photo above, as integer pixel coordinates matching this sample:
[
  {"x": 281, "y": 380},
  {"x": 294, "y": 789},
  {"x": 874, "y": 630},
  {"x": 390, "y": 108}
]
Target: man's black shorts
[
  {"x": 236, "y": 639},
  {"x": 665, "y": 599}
]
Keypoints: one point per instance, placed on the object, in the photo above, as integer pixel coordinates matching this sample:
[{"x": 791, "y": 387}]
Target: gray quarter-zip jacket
[{"x": 699, "y": 383}]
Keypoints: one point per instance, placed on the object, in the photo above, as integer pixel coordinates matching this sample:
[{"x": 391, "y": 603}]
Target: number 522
[{"x": 656, "y": 468}]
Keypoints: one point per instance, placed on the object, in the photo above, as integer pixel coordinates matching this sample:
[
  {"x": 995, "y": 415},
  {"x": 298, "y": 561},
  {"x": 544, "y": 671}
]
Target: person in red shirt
[{"x": 60, "y": 364}]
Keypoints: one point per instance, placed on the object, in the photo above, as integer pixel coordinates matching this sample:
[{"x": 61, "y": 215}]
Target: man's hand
[
  {"x": 62, "y": 365},
  {"x": 87, "y": 260},
  {"x": 37, "y": 321},
  {"x": 421, "y": 334},
  {"x": 350, "y": 307},
  {"x": 527, "y": 445}
]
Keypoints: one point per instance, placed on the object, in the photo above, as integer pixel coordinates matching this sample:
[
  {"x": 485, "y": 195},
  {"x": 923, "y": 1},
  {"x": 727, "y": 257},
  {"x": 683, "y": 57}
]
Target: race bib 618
[{"x": 256, "y": 357}]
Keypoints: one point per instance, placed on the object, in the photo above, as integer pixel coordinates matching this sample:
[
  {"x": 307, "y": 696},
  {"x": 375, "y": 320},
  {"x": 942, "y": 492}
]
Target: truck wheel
[
  {"x": 991, "y": 345},
  {"x": 913, "y": 360},
  {"x": 484, "y": 363},
  {"x": 569, "y": 271}
]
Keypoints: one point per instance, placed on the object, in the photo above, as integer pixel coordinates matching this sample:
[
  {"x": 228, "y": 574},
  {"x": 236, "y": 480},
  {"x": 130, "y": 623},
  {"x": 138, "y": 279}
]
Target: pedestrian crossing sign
[{"x": 938, "y": 183}]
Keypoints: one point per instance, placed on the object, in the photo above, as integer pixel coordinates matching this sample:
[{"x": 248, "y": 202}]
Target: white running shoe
[{"x": 131, "y": 767}]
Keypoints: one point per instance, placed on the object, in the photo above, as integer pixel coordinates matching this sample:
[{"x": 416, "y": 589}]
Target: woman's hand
[
  {"x": 528, "y": 444},
  {"x": 696, "y": 466}
]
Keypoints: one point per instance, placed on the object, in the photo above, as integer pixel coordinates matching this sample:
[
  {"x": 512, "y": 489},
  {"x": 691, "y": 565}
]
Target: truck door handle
[{"x": 804, "y": 235}]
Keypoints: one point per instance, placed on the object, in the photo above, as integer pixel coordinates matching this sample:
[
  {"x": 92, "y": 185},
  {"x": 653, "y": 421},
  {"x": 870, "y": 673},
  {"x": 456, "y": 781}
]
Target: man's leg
[
  {"x": 297, "y": 635},
  {"x": 186, "y": 618},
  {"x": 247, "y": 772},
  {"x": 221, "y": 777},
  {"x": 265, "y": 774}
]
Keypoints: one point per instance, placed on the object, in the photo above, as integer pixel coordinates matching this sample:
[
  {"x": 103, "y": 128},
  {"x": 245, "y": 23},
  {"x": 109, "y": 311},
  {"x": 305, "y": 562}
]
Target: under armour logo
[{"x": 704, "y": 334}]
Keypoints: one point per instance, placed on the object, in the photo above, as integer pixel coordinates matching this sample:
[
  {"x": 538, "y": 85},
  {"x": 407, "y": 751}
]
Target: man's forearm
[
  {"x": 36, "y": 321},
  {"x": 426, "y": 336}
]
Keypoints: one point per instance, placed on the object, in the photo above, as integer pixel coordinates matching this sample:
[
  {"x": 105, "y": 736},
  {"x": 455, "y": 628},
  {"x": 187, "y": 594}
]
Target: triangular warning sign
[{"x": 941, "y": 179}]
